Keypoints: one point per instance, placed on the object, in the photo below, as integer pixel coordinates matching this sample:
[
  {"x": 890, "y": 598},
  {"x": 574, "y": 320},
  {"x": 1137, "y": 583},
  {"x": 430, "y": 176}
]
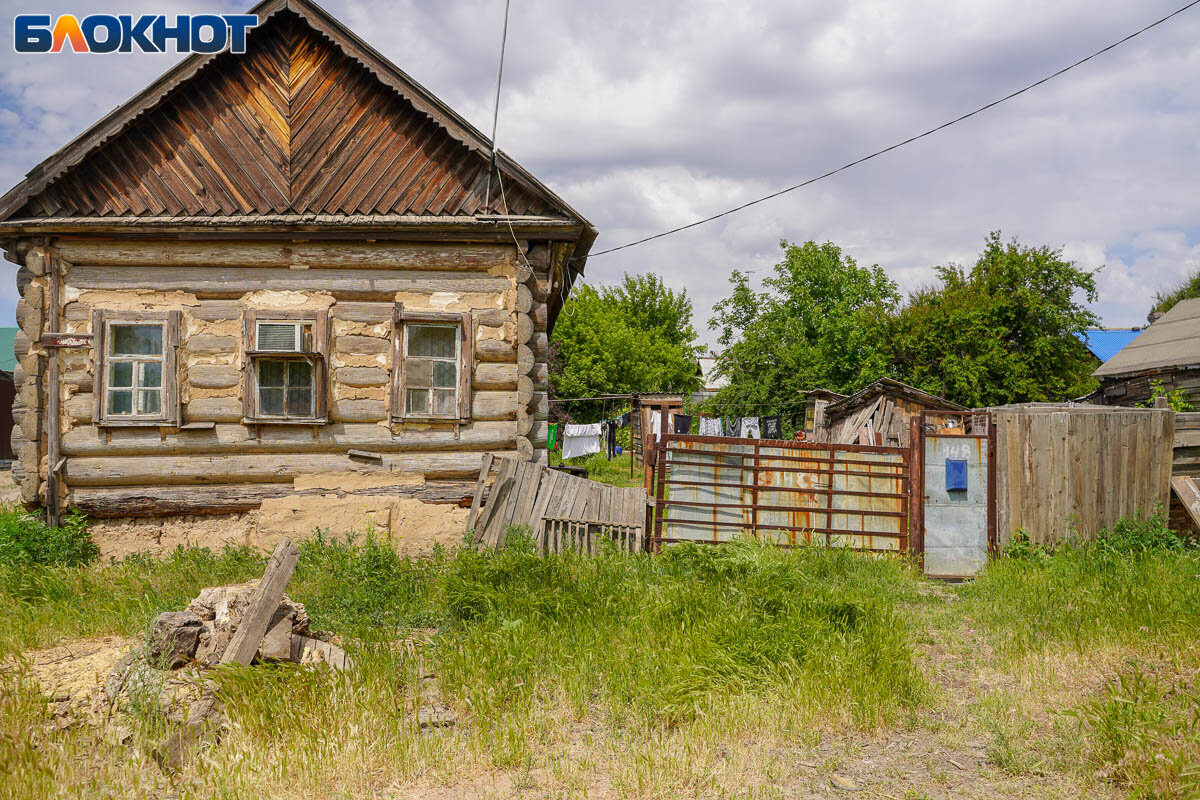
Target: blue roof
[{"x": 1105, "y": 344}]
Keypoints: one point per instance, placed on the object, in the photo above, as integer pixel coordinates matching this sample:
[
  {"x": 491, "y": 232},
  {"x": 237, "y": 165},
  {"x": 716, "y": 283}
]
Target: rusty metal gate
[{"x": 712, "y": 489}]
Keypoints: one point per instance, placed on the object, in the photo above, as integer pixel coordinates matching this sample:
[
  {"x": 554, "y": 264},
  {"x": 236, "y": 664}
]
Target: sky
[{"x": 645, "y": 116}]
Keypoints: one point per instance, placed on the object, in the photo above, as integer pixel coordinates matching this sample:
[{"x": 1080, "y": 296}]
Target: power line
[
  {"x": 898, "y": 145},
  {"x": 487, "y": 194}
]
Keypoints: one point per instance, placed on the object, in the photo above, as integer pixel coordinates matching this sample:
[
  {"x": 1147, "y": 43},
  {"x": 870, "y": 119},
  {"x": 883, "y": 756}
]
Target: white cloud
[{"x": 649, "y": 115}]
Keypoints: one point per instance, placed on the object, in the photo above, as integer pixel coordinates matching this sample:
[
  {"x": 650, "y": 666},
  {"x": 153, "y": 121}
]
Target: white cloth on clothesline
[
  {"x": 580, "y": 440},
  {"x": 711, "y": 426},
  {"x": 750, "y": 428},
  {"x": 656, "y": 424}
]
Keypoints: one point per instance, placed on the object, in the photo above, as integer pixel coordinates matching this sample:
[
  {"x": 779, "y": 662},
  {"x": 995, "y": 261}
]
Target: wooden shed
[
  {"x": 275, "y": 265},
  {"x": 877, "y": 414},
  {"x": 1167, "y": 351}
]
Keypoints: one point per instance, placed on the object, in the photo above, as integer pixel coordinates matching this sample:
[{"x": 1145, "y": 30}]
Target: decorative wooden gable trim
[{"x": 309, "y": 120}]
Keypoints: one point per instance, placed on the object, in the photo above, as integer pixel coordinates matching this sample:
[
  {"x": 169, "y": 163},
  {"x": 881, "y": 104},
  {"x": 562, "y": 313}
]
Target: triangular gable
[{"x": 309, "y": 120}]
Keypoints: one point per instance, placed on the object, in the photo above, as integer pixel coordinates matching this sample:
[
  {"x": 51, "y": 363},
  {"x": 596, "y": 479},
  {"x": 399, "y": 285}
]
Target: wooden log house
[{"x": 277, "y": 264}]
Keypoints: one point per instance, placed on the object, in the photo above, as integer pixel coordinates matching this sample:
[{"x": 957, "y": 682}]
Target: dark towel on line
[
  {"x": 623, "y": 420},
  {"x": 611, "y": 439},
  {"x": 772, "y": 429},
  {"x": 683, "y": 423},
  {"x": 733, "y": 427}
]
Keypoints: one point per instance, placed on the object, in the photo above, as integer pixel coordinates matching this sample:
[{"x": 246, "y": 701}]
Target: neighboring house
[
  {"x": 877, "y": 414},
  {"x": 710, "y": 383},
  {"x": 1167, "y": 351},
  {"x": 287, "y": 267},
  {"x": 1104, "y": 343}
]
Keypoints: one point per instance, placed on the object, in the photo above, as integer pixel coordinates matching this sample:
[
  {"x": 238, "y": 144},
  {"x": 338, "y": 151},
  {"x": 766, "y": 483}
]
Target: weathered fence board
[{"x": 1073, "y": 469}]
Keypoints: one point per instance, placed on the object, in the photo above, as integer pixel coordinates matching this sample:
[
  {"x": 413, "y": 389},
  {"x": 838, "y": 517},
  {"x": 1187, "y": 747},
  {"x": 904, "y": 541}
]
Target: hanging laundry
[
  {"x": 580, "y": 440},
  {"x": 711, "y": 426},
  {"x": 623, "y": 420},
  {"x": 750, "y": 428},
  {"x": 656, "y": 424},
  {"x": 610, "y": 438},
  {"x": 733, "y": 427},
  {"x": 772, "y": 427},
  {"x": 552, "y": 435},
  {"x": 683, "y": 423}
]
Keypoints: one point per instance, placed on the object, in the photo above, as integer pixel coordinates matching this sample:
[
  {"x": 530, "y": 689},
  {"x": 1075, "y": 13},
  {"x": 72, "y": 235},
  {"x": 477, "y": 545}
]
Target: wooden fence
[
  {"x": 1074, "y": 469},
  {"x": 1185, "y": 463},
  {"x": 587, "y": 536},
  {"x": 711, "y": 489}
]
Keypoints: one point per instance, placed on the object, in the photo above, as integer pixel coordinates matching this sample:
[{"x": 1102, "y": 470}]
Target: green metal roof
[{"x": 8, "y": 359}]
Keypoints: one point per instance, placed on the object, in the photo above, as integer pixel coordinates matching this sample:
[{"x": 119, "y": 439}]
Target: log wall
[{"x": 230, "y": 466}]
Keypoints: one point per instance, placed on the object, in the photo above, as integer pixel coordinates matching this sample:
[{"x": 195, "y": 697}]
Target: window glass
[
  {"x": 135, "y": 340},
  {"x": 299, "y": 373},
  {"x": 120, "y": 374},
  {"x": 445, "y": 374},
  {"x": 430, "y": 341},
  {"x": 286, "y": 388},
  {"x": 271, "y": 401},
  {"x": 270, "y": 373},
  {"x": 120, "y": 402},
  {"x": 418, "y": 401},
  {"x": 151, "y": 374},
  {"x": 443, "y": 402},
  {"x": 151, "y": 401},
  {"x": 299, "y": 402}
]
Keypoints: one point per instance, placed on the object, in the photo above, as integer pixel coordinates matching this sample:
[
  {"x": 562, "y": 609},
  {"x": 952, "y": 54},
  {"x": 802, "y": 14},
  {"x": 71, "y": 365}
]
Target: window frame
[
  {"x": 102, "y": 322},
  {"x": 466, "y": 361},
  {"x": 317, "y": 357}
]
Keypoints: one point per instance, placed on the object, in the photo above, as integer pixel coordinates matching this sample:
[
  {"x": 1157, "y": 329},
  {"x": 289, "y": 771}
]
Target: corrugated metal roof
[
  {"x": 1106, "y": 343},
  {"x": 1172, "y": 341}
]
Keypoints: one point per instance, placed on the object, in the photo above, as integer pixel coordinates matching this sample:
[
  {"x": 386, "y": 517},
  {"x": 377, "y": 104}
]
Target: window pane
[
  {"x": 445, "y": 374},
  {"x": 151, "y": 374},
  {"x": 120, "y": 374},
  {"x": 136, "y": 340},
  {"x": 428, "y": 341},
  {"x": 270, "y": 373},
  {"x": 418, "y": 401},
  {"x": 277, "y": 335},
  {"x": 299, "y": 373},
  {"x": 151, "y": 402},
  {"x": 270, "y": 401},
  {"x": 300, "y": 402},
  {"x": 443, "y": 402},
  {"x": 120, "y": 402},
  {"x": 418, "y": 373}
]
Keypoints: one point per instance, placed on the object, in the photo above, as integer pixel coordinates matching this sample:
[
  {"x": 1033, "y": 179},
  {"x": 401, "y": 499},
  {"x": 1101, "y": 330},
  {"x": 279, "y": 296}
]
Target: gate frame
[
  {"x": 916, "y": 515},
  {"x": 655, "y": 509}
]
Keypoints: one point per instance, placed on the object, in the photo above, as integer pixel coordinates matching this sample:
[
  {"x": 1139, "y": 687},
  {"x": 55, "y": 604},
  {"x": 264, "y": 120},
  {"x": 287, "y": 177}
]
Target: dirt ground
[{"x": 987, "y": 733}]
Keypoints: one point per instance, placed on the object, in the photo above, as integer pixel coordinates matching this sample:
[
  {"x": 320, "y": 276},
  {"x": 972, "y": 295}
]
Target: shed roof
[
  {"x": 895, "y": 388},
  {"x": 309, "y": 120},
  {"x": 1173, "y": 341}
]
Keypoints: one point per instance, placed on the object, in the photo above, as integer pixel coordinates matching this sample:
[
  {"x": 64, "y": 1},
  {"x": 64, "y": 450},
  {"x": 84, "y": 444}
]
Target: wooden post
[
  {"x": 754, "y": 495},
  {"x": 263, "y": 603},
  {"x": 52, "y": 399},
  {"x": 916, "y": 489},
  {"x": 484, "y": 468}
]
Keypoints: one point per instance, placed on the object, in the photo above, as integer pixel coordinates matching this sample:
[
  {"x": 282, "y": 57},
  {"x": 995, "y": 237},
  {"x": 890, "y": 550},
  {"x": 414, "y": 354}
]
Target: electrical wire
[
  {"x": 487, "y": 194},
  {"x": 900, "y": 144}
]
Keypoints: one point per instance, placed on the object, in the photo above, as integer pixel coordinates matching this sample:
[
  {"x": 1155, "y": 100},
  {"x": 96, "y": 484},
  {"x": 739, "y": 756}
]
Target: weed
[{"x": 25, "y": 539}]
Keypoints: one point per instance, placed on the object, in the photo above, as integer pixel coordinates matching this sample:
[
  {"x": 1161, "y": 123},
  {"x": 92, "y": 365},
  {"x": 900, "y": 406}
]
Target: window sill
[
  {"x": 278, "y": 421},
  {"x": 137, "y": 423},
  {"x": 400, "y": 420}
]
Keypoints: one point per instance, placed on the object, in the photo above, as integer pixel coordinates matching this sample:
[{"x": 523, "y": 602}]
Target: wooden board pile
[{"x": 526, "y": 493}]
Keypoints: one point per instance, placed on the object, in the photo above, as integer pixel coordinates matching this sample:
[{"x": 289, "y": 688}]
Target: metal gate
[
  {"x": 711, "y": 489},
  {"x": 957, "y": 514}
]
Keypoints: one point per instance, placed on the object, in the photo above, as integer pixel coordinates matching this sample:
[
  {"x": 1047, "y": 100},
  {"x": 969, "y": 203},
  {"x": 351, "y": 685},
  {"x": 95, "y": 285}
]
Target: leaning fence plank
[
  {"x": 263, "y": 603},
  {"x": 485, "y": 467}
]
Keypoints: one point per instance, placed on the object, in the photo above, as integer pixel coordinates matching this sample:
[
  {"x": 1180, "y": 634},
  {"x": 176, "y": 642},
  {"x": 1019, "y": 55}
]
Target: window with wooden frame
[
  {"x": 136, "y": 353},
  {"x": 285, "y": 373},
  {"x": 433, "y": 354}
]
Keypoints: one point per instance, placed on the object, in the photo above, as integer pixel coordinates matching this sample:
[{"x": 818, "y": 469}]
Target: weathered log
[
  {"x": 35, "y": 260},
  {"x": 21, "y": 344},
  {"x": 360, "y": 376},
  {"x": 540, "y": 407},
  {"x": 540, "y": 374},
  {"x": 213, "y": 409},
  {"x": 493, "y": 405},
  {"x": 525, "y": 359},
  {"x": 494, "y": 376},
  {"x": 494, "y": 317},
  {"x": 267, "y": 468},
  {"x": 230, "y": 282},
  {"x": 361, "y": 345},
  {"x": 524, "y": 299},
  {"x": 524, "y": 424},
  {"x": 79, "y": 407},
  {"x": 524, "y": 328},
  {"x": 170, "y": 501},
  {"x": 79, "y": 379},
  {"x": 358, "y": 411},
  {"x": 540, "y": 289},
  {"x": 339, "y": 254},
  {"x": 24, "y": 279},
  {"x": 541, "y": 317},
  {"x": 335, "y": 437},
  {"x": 370, "y": 313},
  {"x": 495, "y": 350},
  {"x": 524, "y": 392},
  {"x": 524, "y": 449},
  {"x": 208, "y": 344},
  {"x": 29, "y": 318},
  {"x": 214, "y": 376},
  {"x": 216, "y": 310}
]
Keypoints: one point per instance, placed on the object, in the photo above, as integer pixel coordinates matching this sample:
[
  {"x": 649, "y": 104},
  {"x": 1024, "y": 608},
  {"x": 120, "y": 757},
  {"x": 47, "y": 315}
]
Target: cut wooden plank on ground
[
  {"x": 1189, "y": 495},
  {"x": 477, "y": 500}
]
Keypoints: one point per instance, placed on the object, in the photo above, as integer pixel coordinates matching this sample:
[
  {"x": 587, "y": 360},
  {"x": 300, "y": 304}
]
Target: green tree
[
  {"x": 816, "y": 324},
  {"x": 1002, "y": 332},
  {"x": 1188, "y": 289},
  {"x": 636, "y": 336}
]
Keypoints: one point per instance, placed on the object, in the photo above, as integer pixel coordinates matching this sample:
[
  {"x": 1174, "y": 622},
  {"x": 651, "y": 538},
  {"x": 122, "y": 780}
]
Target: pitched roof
[
  {"x": 893, "y": 387},
  {"x": 1172, "y": 341},
  {"x": 1104, "y": 343},
  {"x": 310, "y": 120}
]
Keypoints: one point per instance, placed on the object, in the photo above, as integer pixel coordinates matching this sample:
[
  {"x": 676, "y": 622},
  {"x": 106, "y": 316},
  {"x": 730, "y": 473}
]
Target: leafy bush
[
  {"x": 26, "y": 539},
  {"x": 1139, "y": 534},
  {"x": 1020, "y": 546}
]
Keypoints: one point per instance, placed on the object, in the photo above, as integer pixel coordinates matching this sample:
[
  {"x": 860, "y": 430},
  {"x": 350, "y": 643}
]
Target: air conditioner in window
[{"x": 285, "y": 337}]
